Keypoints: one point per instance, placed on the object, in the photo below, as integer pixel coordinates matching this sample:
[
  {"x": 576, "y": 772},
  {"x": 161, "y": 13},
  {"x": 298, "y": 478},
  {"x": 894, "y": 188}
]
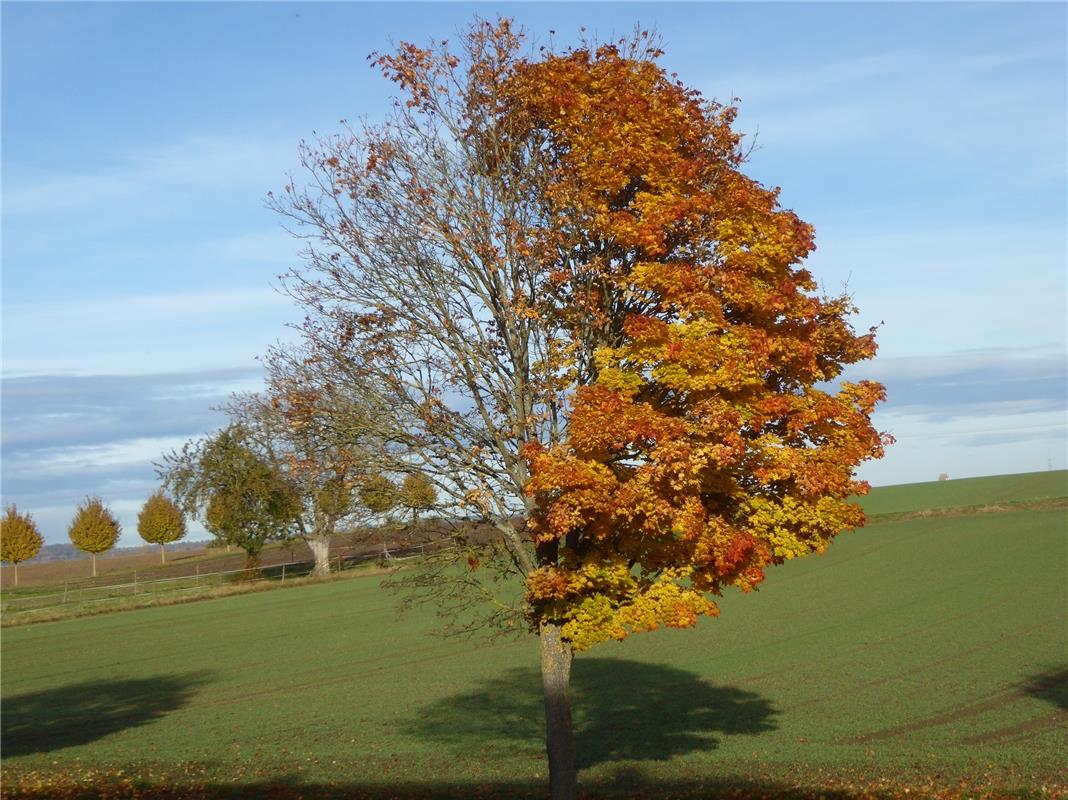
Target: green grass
[
  {"x": 992, "y": 490},
  {"x": 930, "y": 653}
]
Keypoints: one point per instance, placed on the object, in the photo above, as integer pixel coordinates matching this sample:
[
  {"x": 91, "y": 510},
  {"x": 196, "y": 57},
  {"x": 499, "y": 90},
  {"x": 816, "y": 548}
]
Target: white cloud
[
  {"x": 950, "y": 104},
  {"x": 105, "y": 456},
  {"x": 67, "y": 436}
]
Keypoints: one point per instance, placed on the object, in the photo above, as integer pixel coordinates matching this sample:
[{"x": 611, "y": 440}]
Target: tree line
[
  {"x": 94, "y": 530},
  {"x": 281, "y": 470}
]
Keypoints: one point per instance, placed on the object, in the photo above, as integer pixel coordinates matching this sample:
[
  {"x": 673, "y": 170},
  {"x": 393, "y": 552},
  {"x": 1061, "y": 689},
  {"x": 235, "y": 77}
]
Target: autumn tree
[
  {"x": 161, "y": 522},
  {"x": 94, "y": 529},
  {"x": 242, "y": 499},
  {"x": 20, "y": 540},
  {"x": 324, "y": 438},
  {"x": 590, "y": 329}
]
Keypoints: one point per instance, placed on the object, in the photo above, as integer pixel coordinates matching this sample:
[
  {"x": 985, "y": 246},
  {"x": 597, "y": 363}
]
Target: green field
[
  {"x": 928, "y": 654},
  {"x": 1023, "y": 488}
]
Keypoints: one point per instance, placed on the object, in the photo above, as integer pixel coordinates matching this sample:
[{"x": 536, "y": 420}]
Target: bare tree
[{"x": 420, "y": 279}]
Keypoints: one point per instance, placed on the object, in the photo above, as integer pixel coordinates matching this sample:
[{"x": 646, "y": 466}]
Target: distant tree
[
  {"x": 161, "y": 522},
  {"x": 417, "y": 494},
  {"x": 323, "y": 437},
  {"x": 379, "y": 494},
  {"x": 19, "y": 538},
  {"x": 242, "y": 498},
  {"x": 94, "y": 529}
]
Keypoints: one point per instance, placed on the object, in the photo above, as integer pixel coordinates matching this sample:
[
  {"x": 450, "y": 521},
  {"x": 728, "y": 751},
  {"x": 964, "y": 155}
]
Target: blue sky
[{"x": 926, "y": 143}]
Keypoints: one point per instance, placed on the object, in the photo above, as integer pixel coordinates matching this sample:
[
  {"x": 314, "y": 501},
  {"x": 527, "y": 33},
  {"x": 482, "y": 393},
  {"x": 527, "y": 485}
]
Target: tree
[
  {"x": 94, "y": 528},
  {"x": 378, "y": 494},
  {"x": 241, "y": 497},
  {"x": 417, "y": 494},
  {"x": 590, "y": 329},
  {"x": 19, "y": 538},
  {"x": 323, "y": 438},
  {"x": 161, "y": 522}
]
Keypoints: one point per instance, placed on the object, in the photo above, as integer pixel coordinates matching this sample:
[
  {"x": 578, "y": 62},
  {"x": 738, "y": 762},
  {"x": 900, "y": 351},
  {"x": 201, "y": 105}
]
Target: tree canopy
[
  {"x": 323, "y": 437},
  {"x": 94, "y": 529},
  {"x": 161, "y": 522},
  {"x": 20, "y": 540},
  {"x": 241, "y": 497}
]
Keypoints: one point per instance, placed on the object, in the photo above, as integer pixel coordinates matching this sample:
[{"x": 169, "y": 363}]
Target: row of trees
[
  {"x": 245, "y": 501},
  {"x": 94, "y": 530},
  {"x": 295, "y": 461}
]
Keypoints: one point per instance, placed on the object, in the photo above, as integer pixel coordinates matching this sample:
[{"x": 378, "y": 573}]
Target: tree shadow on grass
[
  {"x": 622, "y": 711},
  {"x": 1051, "y": 686},
  {"x": 41, "y": 722}
]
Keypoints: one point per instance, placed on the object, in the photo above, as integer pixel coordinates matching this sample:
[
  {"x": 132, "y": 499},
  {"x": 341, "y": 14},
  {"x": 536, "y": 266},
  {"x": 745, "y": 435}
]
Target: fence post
[
  {"x": 283, "y": 573},
  {"x": 135, "y": 583}
]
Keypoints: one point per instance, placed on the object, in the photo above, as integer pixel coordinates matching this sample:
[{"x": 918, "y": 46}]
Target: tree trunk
[
  {"x": 559, "y": 739},
  {"x": 94, "y": 564},
  {"x": 16, "y": 573},
  {"x": 320, "y": 547},
  {"x": 163, "y": 554}
]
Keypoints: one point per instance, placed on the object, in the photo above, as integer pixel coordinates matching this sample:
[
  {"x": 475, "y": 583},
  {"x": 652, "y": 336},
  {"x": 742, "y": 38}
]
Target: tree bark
[
  {"x": 556, "y": 657},
  {"x": 163, "y": 554},
  {"x": 94, "y": 564},
  {"x": 320, "y": 547},
  {"x": 16, "y": 573}
]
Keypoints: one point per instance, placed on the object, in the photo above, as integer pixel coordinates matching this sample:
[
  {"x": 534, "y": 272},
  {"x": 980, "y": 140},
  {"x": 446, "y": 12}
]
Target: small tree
[
  {"x": 417, "y": 494},
  {"x": 161, "y": 522},
  {"x": 379, "y": 494},
  {"x": 19, "y": 538},
  {"x": 94, "y": 528}
]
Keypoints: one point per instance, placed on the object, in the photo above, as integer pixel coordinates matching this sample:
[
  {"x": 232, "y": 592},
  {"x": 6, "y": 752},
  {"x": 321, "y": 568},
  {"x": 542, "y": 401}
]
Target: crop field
[{"x": 923, "y": 657}]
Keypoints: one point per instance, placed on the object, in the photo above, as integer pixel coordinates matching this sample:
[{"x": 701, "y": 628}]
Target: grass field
[
  {"x": 926, "y": 654},
  {"x": 1028, "y": 486}
]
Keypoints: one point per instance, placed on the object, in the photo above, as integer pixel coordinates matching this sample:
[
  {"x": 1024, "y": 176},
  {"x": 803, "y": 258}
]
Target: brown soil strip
[
  {"x": 1021, "y": 730},
  {"x": 1009, "y": 695},
  {"x": 1045, "y": 504}
]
